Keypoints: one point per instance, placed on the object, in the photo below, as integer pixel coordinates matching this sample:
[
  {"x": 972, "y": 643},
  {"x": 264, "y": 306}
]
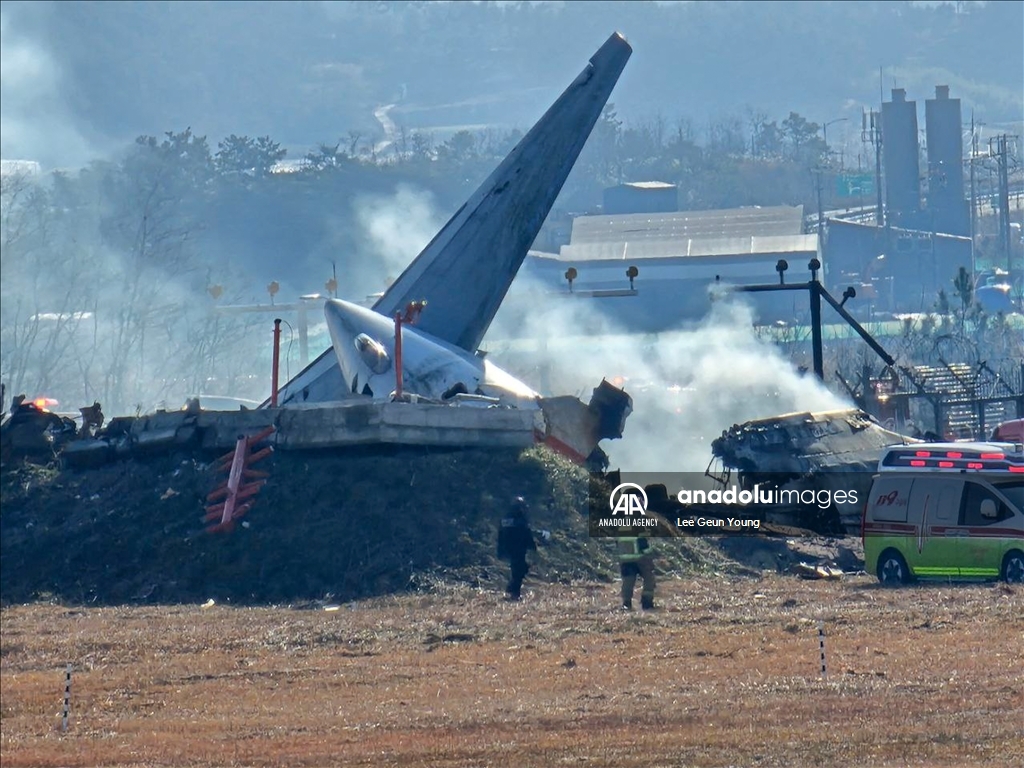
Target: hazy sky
[{"x": 78, "y": 79}]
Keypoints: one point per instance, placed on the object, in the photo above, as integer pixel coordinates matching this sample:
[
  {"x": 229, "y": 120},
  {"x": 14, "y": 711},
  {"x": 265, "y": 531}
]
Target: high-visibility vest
[{"x": 628, "y": 549}]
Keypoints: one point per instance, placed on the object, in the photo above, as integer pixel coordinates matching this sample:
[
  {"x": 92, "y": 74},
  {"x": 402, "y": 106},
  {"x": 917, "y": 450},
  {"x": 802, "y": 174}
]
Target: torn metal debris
[{"x": 829, "y": 450}]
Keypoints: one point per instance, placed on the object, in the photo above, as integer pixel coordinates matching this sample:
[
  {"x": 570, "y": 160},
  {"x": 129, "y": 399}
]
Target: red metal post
[
  {"x": 398, "y": 355},
  {"x": 235, "y": 479},
  {"x": 277, "y": 360}
]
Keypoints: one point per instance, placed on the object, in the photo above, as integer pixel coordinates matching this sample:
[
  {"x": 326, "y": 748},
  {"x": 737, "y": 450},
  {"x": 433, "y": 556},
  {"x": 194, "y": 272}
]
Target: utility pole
[
  {"x": 876, "y": 120},
  {"x": 871, "y": 130},
  {"x": 827, "y": 165},
  {"x": 974, "y": 214},
  {"x": 1004, "y": 195},
  {"x": 824, "y": 135},
  {"x": 821, "y": 220}
]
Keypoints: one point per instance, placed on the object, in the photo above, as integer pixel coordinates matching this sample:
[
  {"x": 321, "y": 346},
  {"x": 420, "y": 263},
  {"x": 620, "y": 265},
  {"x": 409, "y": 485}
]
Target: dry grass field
[{"x": 725, "y": 674}]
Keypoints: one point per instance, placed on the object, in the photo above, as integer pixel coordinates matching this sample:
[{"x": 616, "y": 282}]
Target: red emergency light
[{"x": 964, "y": 459}]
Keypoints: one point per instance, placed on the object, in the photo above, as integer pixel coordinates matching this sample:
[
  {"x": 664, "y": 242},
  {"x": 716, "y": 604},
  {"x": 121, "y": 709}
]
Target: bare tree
[
  {"x": 43, "y": 291},
  {"x": 150, "y": 228}
]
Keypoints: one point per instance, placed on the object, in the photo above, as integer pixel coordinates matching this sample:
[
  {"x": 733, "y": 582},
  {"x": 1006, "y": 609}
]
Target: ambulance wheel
[
  {"x": 1013, "y": 567},
  {"x": 892, "y": 569}
]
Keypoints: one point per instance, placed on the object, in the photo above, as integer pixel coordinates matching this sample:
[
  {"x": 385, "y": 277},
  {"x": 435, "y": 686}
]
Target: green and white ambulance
[{"x": 946, "y": 510}]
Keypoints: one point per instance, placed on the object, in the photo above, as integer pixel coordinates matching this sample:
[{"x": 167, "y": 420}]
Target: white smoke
[
  {"x": 395, "y": 229},
  {"x": 688, "y": 385},
  {"x": 35, "y": 123}
]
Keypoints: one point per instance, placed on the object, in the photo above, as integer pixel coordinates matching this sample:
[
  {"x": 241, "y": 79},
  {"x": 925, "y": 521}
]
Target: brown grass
[{"x": 726, "y": 673}]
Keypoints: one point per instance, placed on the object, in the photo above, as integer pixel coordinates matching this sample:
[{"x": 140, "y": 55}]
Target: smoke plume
[
  {"x": 395, "y": 228},
  {"x": 688, "y": 385},
  {"x": 36, "y": 123}
]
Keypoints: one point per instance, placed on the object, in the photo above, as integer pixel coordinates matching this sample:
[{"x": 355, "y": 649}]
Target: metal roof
[
  {"x": 688, "y": 247},
  {"x": 646, "y": 185},
  {"x": 730, "y": 223}
]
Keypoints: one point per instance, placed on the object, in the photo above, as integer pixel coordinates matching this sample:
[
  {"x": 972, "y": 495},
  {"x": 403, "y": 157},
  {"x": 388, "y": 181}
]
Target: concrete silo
[
  {"x": 946, "y": 205},
  {"x": 902, "y": 174}
]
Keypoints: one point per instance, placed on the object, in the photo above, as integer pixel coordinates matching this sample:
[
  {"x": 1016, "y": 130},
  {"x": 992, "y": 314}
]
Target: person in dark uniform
[
  {"x": 636, "y": 558},
  {"x": 515, "y": 539}
]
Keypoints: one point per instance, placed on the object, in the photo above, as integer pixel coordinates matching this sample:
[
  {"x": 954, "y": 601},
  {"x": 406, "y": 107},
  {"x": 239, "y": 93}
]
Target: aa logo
[{"x": 628, "y": 499}]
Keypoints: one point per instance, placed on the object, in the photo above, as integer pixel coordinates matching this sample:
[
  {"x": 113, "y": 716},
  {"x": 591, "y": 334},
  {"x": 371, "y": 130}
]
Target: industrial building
[
  {"x": 893, "y": 269},
  {"x": 902, "y": 265},
  {"x": 942, "y": 205},
  {"x": 898, "y": 266},
  {"x": 680, "y": 256},
  {"x": 934, "y": 198}
]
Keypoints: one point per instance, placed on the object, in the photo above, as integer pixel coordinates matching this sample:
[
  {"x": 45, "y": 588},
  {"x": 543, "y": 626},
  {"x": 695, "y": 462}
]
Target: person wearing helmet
[{"x": 515, "y": 539}]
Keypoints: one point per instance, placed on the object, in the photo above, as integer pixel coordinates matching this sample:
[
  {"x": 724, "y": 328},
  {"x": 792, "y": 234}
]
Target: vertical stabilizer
[{"x": 466, "y": 270}]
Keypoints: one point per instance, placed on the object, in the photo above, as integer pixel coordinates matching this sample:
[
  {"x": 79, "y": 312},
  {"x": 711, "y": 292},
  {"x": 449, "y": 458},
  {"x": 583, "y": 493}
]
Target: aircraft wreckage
[
  {"x": 829, "y": 451},
  {"x": 427, "y": 382},
  {"x": 457, "y": 283}
]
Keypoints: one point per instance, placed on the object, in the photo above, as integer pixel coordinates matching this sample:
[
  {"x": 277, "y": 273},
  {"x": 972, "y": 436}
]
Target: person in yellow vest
[{"x": 636, "y": 558}]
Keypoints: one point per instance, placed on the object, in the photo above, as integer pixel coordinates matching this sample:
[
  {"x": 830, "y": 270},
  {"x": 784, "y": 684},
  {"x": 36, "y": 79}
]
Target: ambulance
[{"x": 946, "y": 510}]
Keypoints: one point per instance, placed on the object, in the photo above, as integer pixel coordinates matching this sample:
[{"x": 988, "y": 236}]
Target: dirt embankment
[{"x": 334, "y": 525}]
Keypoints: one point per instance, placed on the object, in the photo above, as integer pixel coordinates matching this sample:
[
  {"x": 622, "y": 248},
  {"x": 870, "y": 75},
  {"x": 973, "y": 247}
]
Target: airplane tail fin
[{"x": 466, "y": 270}]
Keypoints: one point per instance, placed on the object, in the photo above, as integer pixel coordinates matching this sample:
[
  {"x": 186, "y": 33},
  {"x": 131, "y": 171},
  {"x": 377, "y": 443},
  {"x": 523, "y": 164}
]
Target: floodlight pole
[
  {"x": 816, "y": 291},
  {"x": 814, "y": 288}
]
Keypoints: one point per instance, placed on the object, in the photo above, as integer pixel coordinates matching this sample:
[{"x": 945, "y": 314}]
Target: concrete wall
[{"x": 339, "y": 424}]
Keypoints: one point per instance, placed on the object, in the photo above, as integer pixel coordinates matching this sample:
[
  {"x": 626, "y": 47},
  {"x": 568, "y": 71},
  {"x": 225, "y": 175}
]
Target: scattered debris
[
  {"x": 808, "y": 571},
  {"x": 92, "y": 419},
  {"x": 831, "y": 450},
  {"x": 30, "y": 429}
]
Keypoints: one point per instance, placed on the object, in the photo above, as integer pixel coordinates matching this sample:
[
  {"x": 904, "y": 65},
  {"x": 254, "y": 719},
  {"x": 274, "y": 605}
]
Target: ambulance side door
[
  {"x": 937, "y": 548},
  {"x": 985, "y": 536}
]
